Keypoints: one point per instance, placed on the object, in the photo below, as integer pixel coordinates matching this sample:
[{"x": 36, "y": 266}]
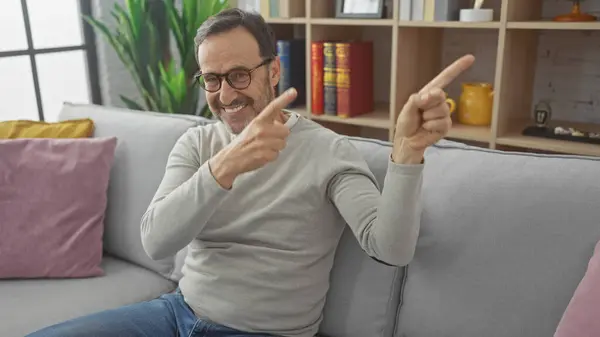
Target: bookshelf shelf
[
  {"x": 302, "y": 111},
  {"x": 550, "y": 25},
  {"x": 470, "y": 133},
  {"x": 287, "y": 20},
  {"x": 549, "y": 145},
  {"x": 514, "y": 137},
  {"x": 450, "y": 24},
  {"x": 379, "y": 119},
  {"x": 352, "y": 22},
  {"x": 408, "y": 54}
]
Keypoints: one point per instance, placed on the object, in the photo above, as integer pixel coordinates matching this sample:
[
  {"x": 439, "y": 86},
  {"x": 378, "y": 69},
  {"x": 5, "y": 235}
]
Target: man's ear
[{"x": 275, "y": 73}]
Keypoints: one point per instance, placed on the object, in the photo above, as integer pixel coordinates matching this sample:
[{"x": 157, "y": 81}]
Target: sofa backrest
[
  {"x": 505, "y": 240},
  {"x": 505, "y": 237},
  {"x": 364, "y": 294},
  {"x": 144, "y": 141}
]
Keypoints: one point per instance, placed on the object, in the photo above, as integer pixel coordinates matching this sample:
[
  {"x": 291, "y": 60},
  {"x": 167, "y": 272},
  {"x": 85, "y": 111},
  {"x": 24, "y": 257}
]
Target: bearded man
[{"x": 261, "y": 199}]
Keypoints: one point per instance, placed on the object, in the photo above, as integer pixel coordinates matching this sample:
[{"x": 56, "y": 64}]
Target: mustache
[{"x": 236, "y": 102}]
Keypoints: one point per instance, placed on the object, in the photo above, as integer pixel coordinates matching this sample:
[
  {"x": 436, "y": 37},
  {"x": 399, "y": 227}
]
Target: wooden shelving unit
[{"x": 409, "y": 53}]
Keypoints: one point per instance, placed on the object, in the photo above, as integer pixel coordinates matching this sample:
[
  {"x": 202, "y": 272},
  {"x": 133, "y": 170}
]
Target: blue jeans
[{"x": 166, "y": 316}]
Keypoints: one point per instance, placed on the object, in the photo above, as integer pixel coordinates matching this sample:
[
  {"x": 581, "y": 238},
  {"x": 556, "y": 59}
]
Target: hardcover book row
[
  {"x": 341, "y": 75},
  {"x": 342, "y": 78}
]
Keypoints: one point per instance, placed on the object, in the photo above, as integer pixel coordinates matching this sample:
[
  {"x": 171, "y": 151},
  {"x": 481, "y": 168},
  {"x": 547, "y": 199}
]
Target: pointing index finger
[
  {"x": 271, "y": 111},
  {"x": 444, "y": 78}
]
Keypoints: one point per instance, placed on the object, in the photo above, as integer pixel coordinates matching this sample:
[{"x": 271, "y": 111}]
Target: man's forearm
[
  {"x": 173, "y": 221},
  {"x": 385, "y": 223},
  {"x": 399, "y": 214}
]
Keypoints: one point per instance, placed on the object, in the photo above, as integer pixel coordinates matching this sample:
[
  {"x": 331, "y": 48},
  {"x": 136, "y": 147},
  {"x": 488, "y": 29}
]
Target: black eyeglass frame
[{"x": 226, "y": 76}]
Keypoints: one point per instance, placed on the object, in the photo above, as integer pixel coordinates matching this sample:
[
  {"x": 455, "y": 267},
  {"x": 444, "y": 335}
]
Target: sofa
[{"x": 505, "y": 240}]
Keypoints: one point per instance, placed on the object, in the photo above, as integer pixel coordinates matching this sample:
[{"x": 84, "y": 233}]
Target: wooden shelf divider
[{"x": 415, "y": 49}]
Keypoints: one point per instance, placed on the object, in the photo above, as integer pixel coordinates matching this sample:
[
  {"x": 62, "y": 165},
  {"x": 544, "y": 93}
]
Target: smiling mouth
[{"x": 234, "y": 109}]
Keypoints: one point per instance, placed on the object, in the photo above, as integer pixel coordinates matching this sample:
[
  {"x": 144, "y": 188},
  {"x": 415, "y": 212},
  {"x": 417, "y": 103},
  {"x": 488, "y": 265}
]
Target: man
[{"x": 262, "y": 197}]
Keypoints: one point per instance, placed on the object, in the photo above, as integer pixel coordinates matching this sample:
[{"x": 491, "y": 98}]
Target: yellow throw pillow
[{"x": 74, "y": 128}]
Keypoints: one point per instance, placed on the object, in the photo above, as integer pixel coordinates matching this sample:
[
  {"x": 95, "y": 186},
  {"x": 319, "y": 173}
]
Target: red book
[
  {"x": 355, "y": 82},
  {"x": 316, "y": 84}
]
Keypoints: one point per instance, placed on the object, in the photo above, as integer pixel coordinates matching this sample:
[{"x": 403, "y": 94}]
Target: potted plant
[{"x": 141, "y": 39}]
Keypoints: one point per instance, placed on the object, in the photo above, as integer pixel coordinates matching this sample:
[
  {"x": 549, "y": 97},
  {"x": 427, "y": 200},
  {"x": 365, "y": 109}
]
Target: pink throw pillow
[
  {"x": 581, "y": 316},
  {"x": 53, "y": 196}
]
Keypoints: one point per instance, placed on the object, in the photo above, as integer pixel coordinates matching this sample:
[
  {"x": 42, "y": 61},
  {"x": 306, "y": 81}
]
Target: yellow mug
[{"x": 451, "y": 104}]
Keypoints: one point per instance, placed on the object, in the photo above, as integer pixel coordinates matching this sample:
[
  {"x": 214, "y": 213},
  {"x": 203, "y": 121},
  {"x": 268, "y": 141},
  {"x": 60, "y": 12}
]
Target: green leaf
[
  {"x": 153, "y": 90},
  {"x": 176, "y": 24},
  {"x": 131, "y": 104},
  {"x": 140, "y": 38},
  {"x": 135, "y": 8}
]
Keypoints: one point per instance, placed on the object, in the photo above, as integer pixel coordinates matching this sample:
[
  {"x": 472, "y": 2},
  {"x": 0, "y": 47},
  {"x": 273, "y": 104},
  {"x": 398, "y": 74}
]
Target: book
[
  {"x": 264, "y": 8},
  {"x": 291, "y": 8},
  {"x": 329, "y": 79},
  {"x": 418, "y": 10},
  {"x": 354, "y": 82},
  {"x": 316, "y": 85},
  {"x": 429, "y": 10},
  {"x": 405, "y": 9},
  {"x": 274, "y": 8},
  {"x": 448, "y": 10},
  {"x": 293, "y": 68}
]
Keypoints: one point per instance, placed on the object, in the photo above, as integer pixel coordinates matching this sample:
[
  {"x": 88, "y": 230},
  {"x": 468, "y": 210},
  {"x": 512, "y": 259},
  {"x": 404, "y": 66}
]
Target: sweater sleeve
[
  {"x": 183, "y": 203},
  {"x": 386, "y": 224}
]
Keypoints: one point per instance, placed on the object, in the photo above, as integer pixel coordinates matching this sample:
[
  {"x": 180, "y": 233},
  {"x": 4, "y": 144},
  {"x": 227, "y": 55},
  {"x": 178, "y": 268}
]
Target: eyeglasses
[{"x": 239, "y": 78}]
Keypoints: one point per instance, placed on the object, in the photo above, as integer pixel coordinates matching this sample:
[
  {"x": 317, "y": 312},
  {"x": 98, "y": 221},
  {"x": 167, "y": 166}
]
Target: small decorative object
[
  {"x": 542, "y": 114},
  {"x": 541, "y": 117},
  {"x": 576, "y": 133},
  {"x": 559, "y": 130},
  {"x": 576, "y": 15},
  {"x": 475, "y": 104},
  {"x": 362, "y": 9},
  {"x": 568, "y": 131},
  {"x": 476, "y": 14}
]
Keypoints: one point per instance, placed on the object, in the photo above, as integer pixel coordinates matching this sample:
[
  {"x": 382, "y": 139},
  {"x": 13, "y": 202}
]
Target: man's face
[{"x": 237, "y": 49}]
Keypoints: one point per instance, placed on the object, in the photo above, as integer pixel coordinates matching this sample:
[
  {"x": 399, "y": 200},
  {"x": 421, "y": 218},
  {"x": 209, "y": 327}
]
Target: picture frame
[{"x": 359, "y": 9}]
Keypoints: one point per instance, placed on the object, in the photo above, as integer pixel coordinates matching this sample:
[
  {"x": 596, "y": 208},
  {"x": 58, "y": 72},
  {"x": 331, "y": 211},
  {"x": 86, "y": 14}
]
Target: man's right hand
[{"x": 259, "y": 143}]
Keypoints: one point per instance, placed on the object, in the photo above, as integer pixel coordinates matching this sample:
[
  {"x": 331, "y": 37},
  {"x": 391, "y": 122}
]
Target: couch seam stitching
[{"x": 401, "y": 302}]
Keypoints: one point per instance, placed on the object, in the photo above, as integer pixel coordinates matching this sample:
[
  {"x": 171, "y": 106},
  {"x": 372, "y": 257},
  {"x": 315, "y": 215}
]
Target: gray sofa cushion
[
  {"x": 364, "y": 295},
  {"x": 29, "y": 305},
  {"x": 505, "y": 240},
  {"x": 145, "y": 140}
]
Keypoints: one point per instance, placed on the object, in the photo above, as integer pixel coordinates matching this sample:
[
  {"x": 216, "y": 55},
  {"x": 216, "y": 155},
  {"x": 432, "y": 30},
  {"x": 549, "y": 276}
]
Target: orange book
[{"x": 316, "y": 85}]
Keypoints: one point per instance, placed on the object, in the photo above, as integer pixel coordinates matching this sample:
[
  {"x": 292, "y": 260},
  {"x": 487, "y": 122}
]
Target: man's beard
[{"x": 256, "y": 105}]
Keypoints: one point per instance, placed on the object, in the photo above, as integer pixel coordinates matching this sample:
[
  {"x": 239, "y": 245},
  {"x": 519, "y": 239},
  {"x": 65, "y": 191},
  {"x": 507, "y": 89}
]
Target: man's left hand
[{"x": 425, "y": 118}]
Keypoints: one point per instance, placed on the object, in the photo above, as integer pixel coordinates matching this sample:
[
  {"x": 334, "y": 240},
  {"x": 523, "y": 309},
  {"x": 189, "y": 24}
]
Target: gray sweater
[{"x": 260, "y": 254}]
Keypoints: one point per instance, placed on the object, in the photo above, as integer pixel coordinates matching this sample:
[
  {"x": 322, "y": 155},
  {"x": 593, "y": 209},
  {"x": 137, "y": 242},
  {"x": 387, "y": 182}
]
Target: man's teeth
[{"x": 234, "y": 109}]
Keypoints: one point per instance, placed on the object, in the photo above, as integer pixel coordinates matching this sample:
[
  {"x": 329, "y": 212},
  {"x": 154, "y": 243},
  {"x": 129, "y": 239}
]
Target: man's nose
[{"x": 227, "y": 94}]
